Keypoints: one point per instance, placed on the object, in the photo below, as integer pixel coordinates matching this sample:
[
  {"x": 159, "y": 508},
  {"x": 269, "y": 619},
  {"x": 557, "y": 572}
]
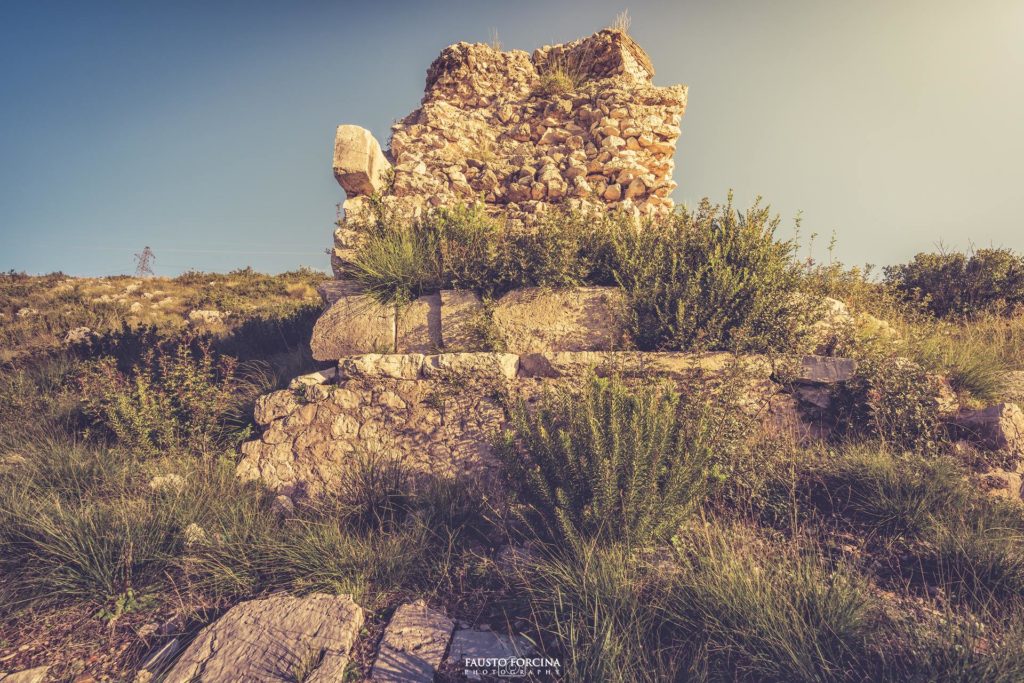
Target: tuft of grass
[
  {"x": 977, "y": 559},
  {"x": 622, "y": 22},
  {"x": 778, "y": 611},
  {"x": 725, "y": 605},
  {"x": 971, "y": 365},
  {"x": 899, "y": 497}
]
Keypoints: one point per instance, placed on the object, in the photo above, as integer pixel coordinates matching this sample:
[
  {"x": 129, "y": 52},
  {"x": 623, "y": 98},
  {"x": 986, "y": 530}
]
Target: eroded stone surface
[
  {"x": 554, "y": 364},
  {"x": 280, "y": 637},
  {"x": 353, "y": 324},
  {"x": 359, "y": 162},
  {"x": 462, "y": 320},
  {"x": 825, "y": 370},
  {"x": 413, "y": 645},
  {"x": 580, "y": 319},
  {"x": 999, "y": 427},
  {"x": 383, "y": 366},
  {"x": 472, "y": 365},
  {"x": 439, "y": 414},
  {"x": 494, "y": 126}
]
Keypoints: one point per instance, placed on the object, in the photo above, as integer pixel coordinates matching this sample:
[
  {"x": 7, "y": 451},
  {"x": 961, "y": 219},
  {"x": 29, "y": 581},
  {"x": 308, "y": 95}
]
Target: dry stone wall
[
  {"x": 439, "y": 413},
  {"x": 580, "y": 124}
]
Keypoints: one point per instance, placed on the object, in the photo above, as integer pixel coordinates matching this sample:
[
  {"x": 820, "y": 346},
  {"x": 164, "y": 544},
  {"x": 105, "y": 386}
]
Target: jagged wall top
[{"x": 496, "y": 126}]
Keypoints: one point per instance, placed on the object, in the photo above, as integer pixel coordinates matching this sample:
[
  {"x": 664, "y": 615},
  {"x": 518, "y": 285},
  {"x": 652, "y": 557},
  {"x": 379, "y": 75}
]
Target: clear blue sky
[{"x": 204, "y": 129}]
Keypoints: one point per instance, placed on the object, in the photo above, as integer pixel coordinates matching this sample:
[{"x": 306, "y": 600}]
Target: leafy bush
[
  {"x": 711, "y": 279},
  {"x": 962, "y": 284},
  {"x": 180, "y": 396},
  {"x": 615, "y": 463},
  {"x": 895, "y": 400}
]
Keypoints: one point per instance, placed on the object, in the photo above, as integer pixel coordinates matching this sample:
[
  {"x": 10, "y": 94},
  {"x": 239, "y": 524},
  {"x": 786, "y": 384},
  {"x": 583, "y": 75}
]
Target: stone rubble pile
[{"x": 438, "y": 413}]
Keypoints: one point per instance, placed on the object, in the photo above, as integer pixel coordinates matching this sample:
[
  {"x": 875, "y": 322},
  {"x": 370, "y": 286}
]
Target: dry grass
[{"x": 36, "y": 313}]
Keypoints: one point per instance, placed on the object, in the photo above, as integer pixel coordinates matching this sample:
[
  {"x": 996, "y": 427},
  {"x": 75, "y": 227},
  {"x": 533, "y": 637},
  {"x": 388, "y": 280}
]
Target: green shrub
[
  {"x": 962, "y": 284},
  {"x": 895, "y": 400},
  {"x": 711, "y": 279},
  {"x": 614, "y": 463},
  {"x": 180, "y": 396}
]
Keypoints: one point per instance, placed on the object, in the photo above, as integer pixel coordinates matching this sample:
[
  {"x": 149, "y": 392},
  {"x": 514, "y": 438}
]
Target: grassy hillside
[{"x": 653, "y": 540}]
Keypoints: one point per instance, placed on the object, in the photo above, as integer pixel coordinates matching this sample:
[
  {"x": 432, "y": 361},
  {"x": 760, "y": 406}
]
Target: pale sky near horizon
[{"x": 205, "y": 129}]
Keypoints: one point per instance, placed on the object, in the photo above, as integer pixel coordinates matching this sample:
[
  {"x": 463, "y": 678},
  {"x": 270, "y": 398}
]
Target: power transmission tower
[{"x": 144, "y": 263}]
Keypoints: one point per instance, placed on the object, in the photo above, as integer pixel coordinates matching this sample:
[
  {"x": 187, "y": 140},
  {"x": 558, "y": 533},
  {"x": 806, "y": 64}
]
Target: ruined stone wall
[
  {"x": 439, "y": 413},
  {"x": 579, "y": 124}
]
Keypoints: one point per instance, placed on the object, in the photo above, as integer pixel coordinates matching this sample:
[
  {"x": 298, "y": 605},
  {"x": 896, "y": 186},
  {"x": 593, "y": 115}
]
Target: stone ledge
[{"x": 552, "y": 365}]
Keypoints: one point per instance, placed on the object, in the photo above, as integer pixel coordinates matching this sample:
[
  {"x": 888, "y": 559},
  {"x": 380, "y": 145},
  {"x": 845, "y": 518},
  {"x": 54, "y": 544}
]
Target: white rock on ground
[
  {"x": 36, "y": 675},
  {"x": 413, "y": 645},
  {"x": 998, "y": 427},
  {"x": 276, "y": 638}
]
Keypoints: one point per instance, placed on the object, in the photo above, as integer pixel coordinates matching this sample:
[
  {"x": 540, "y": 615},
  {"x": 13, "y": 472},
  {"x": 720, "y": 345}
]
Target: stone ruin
[
  {"x": 422, "y": 383},
  {"x": 579, "y": 124}
]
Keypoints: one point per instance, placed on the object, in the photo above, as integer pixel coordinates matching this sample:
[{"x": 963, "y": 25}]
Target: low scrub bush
[
  {"x": 616, "y": 463},
  {"x": 713, "y": 278},
  {"x": 894, "y": 400},
  {"x": 957, "y": 284},
  {"x": 180, "y": 396}
]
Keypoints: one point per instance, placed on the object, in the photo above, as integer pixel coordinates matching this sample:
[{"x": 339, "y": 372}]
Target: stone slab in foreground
[
  {"x": 273, "y": 639},
  {"x": 413, "y": 645}
]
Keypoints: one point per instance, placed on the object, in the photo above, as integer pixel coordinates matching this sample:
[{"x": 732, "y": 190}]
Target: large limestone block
[
  {"x": 535, "y": 320},
  {"x": 354, "y": 324},
  {"x": 462, "y": 320},
  {"x": 359, "y": 164},
  {"x": 36, "y": 675},
  {"x": 405, "y": 366},
  {"x": 276, "y": 638},
  {"x": 474, "y": 366},
  {"x": 825, "y": 370},
  {"x": 413, "y": 645},
  {"x": 999, "y": 427},
  {"x": 419, "y": 325}
]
